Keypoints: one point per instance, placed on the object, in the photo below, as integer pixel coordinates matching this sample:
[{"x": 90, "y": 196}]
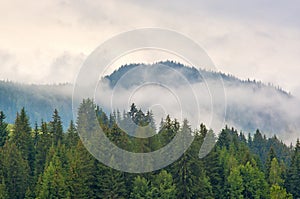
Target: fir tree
[
  {"x": 293, "y": 175},
  {"x": 56, "y": 129},
  {"x": 15, "y": 171},
  {"x": 22, "y": 137},
  {"x": 3, "y": 130}
]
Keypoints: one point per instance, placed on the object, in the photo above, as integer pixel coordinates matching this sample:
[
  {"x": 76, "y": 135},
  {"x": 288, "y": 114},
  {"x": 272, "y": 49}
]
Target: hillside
[{"x": 250, "y": 104}]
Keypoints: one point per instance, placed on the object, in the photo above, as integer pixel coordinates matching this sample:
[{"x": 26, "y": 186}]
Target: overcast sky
[{"x": 47, "y": 41}]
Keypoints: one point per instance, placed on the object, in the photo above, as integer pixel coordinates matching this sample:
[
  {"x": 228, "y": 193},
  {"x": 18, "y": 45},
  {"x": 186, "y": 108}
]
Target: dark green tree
[
  {"x": 72, "y": 135},
  {"x": 22, "y": 137},
  {"x": 163, "y": 186},
  {"x": 3, "y": 130},
  {"x": 235, "y": 186},
  {"x": 3, "y": 190},
  {"x": 15, "y": 170},
  {"x": 56, "y": 129},
  {"x": 80, "y": 173},
  {"x": 271, "y": 156},
  {"x": 293, "y": 174},
  {"x": 141, "y": 189},
  {"x": 43, "y": 144},
  {"x": 52, "y": 184}
]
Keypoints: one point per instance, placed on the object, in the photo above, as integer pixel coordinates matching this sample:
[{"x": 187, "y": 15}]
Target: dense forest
[{"x": 42, "y": 161}]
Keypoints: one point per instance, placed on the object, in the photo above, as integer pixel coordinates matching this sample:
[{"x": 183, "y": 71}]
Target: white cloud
[{"x": 248, "y": 39}]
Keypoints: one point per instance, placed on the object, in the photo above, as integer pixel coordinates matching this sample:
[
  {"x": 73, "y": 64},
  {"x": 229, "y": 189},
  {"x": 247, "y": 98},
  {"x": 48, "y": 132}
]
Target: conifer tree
[
  {"x": 56, "y": 129},
  {"x": 80, "y": 173},
  {"x": 163, "y": 186},
  {"x": 3, "y": 130},
  {"x": 3, "y": 190},
  {"x": 72, "y": 135},
  {"x": 53, "y": 182},
  {"x": 293, "y": 174},
  {"x": 15, "y": 170},
  {"x": 141, "y": 189},
  {"x": 22, "y": 137}
]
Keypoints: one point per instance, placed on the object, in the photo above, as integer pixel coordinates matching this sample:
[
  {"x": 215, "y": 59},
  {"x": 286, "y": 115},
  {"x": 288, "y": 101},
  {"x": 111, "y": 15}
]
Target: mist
[{"x": 245, "y": 105}]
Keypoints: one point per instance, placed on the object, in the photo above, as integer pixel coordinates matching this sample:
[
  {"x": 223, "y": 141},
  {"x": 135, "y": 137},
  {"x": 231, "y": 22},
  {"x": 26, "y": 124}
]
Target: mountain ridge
[{"x": 43, "y": 99}]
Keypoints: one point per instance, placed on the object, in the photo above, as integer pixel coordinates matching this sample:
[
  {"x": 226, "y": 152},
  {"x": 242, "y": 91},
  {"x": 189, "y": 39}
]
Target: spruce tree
[
  {"x": 56, "y": 129},
  {"x": 53, "y": 182},
  {"x": 3, "y": 189},
  {"x": 15, "y": 170},
  {"x": 235, "y": 186},
  {"x": 80, "y": 173},
  {"x": 22, "y": 137},
  {"x": 72, "y": 135},
  {"x": 293, "y": 174},
  {"x": 163, "y": 186},
  {"x": 3, "y": 130},
  {"x": 141, "y": 189}
]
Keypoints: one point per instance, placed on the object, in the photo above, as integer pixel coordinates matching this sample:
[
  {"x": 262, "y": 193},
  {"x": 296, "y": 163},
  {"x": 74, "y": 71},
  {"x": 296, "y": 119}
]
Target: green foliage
[
  {"x": 277, "y": 192},
  {"x": 293, "y": 175},
  {"x": 56, "y": 128},
  {"x": 3, "y": 130},
  {"x": 22, "y": 137},
  {"x": 15, "y": 170},
  {"x": 53, "y": 182},
  {"x": 44, "y": 162},
  {"x": 141, "y": 189},
  {"x": 80, "y": 171},
  {"x": 235, "y": 186},
  {"x": 112, "y": 184},
  {"x": 255, "y": 185},
  {"x": 162, "y": 186},
  {"x": 275, "y": 173},
  {"x": 3, "y": 190}
]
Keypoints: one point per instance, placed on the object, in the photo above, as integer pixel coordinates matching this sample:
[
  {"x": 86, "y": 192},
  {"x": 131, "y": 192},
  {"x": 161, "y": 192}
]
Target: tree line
[{"x": 43, "y": 161}]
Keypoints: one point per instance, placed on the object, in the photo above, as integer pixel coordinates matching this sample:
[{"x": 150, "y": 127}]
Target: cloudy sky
[{"x": 47, "y": 41}]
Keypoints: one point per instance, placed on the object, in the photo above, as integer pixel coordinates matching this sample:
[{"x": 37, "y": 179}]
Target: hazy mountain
[
  {"x": 39, "y": 101},
  {"x": 249, "y": 104}
]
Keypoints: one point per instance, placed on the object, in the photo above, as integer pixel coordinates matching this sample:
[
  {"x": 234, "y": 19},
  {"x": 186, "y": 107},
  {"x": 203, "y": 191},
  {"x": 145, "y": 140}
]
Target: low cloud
[{"x": 249, "y": 106}]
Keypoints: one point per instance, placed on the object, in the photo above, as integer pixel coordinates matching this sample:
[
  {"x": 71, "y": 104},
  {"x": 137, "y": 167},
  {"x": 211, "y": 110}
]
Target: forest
[{"x": 41, "y": 160}]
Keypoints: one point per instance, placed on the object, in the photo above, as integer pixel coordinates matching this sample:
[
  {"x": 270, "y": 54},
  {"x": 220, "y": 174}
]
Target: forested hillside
[
  {"x": 42, "y": 161},
  {"x": 42, "y": 99},
  {"x": 248, "y": 102}
]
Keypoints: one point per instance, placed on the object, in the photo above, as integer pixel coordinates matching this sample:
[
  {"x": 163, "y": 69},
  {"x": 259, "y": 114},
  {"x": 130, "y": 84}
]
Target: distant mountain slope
[
  {"x": 39, "y": 101},
  {"x": 250, "y": 104}
]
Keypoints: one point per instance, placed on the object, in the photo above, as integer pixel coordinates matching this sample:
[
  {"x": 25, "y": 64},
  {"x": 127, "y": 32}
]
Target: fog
[{"x": 244, "y": 105}]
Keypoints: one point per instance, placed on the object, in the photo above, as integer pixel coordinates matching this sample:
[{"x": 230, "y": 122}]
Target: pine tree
[
  {"x": 3, "y": 190},
  {"x": 271, "y": 156},
  {"x": 72, "y": 135},
  {"x": 163, "y": 186},
  {"x": 182, "y": 169},
  {"x": 43, "y": 144},
  {"x": 15, "y": 170},
  {"x": 53, "y": 182},
  {"x": 255, "y": 185},
  {"x": 278, "y": 192},
  {"x": 80, "y": 174},
  {"x": 112, "y": 184},
  {"x": 23, "y": 139},
  {"x": 235, "y": 186},
  {"x": 141, "y": 189},
  {"x": 275, "y": 173},
  {"x": 56, "y": 129},
  {"x": 293, "y": 174},
  {"x": 3, "y": 130}
]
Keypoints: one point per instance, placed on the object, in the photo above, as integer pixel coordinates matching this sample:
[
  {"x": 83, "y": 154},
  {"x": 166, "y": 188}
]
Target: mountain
[
  {"x": 249, "y": 104},
  {"x": 38, "y": 100}
]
